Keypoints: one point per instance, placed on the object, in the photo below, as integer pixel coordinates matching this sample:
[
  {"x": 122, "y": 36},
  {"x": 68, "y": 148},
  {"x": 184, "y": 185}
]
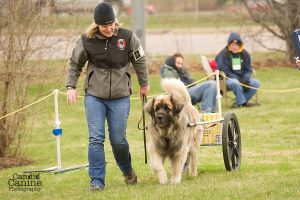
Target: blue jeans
[
  {"x": 205, "y": 94},
  {"x": 242, "y": 96},
  {"x": 116, "y": 111}
]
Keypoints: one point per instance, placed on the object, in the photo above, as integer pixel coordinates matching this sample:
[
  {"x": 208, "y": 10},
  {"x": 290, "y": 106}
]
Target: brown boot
[{"x": 130, "y": 178}]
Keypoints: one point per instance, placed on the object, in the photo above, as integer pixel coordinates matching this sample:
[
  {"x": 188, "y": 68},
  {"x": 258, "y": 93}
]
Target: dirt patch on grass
[{"x": 7, "y": 162}]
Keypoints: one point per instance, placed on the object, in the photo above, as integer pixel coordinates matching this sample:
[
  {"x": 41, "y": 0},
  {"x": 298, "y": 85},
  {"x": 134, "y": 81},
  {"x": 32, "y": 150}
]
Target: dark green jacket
[{"x": 167, "y": 71}]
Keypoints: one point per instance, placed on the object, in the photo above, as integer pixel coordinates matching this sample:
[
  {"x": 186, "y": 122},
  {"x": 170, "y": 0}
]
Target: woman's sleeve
[
  {"x": 138, "y": 60},
  {"x": 77, "y": 62}
]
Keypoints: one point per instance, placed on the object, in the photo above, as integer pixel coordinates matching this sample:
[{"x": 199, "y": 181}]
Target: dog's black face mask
[
  {"x": 166, "y": 114},
  {"x": 163, "y": 115},
  {"x": 163, "y": 112}
]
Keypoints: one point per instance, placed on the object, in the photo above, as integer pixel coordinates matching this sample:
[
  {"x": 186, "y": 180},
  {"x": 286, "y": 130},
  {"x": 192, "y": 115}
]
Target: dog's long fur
[{"x": 170, "y": 135}]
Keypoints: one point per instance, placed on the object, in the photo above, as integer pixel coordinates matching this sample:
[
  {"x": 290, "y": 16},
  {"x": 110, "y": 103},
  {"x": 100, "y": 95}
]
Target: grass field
[{"x": 270, "y": 151}]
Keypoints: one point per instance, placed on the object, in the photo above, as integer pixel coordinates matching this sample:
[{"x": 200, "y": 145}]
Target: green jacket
[
  {"x": 108, "y": 71},
  {"x": 167, "y": 71}
]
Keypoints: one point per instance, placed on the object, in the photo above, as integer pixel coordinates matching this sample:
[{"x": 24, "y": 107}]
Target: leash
[{"x": 144, "y": 100}]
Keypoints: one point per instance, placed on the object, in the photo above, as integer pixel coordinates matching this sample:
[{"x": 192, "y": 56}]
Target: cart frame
[{"x": 223, "y": 131}]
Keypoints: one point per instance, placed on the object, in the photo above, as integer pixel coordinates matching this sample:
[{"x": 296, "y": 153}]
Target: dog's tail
[{"x": 174, "y": 86}]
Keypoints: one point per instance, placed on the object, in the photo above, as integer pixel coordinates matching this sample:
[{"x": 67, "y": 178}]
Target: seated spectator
[
  {"x": 203, "y": 93},
  {"x": 235, "y": 62}
]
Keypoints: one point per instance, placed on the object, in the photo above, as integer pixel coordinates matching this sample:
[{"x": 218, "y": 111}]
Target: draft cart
[{"x": 223, "y": 131}]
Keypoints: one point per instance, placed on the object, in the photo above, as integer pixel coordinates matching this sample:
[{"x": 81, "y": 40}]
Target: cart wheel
[{"x": 231, "y": 142}]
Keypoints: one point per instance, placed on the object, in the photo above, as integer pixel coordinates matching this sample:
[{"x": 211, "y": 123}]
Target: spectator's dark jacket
[{"x": 225, "y": 64}]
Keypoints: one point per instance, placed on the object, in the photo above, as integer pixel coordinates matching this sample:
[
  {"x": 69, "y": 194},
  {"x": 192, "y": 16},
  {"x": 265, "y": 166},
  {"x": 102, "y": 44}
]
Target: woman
[
  {"x": 109, "y": 49},
  {"x": 204, "y": 93}
]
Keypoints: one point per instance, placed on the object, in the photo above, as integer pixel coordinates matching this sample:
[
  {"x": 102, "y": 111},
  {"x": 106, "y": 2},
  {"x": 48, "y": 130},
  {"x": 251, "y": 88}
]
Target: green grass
[
  {"x": 160, "y": 21},
  {"x": 270, "y": 151}
]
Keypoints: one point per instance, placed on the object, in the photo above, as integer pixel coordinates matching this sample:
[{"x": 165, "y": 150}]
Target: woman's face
[
  {"x": 179, "y": 62},
  {"x": 108, "y": 30},
  {"x": 234, "y": 46}
]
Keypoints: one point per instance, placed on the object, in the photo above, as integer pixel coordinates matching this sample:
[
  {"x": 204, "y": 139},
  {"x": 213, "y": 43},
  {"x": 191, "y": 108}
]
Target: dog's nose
[{"x": 159, "y": 118}]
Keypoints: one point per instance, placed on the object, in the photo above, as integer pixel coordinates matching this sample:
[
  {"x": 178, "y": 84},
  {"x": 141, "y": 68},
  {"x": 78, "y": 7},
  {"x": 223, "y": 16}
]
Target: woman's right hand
[{"x": 71, "y": 96}]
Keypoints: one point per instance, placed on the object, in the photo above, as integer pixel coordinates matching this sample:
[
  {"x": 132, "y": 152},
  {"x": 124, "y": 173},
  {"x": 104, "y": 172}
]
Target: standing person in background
[
  {"x": 235, "y": 62},
  {"x": 109, "y": 50}
]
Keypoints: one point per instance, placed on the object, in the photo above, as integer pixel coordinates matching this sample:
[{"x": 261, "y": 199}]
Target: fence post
[
  {"x": 57, "y": 131},
  {"x": 56, "y": 127}
]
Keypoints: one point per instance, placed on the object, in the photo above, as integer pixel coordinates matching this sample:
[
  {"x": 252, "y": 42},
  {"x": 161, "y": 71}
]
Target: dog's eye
[
  {"x": 156, "y": 108},
  {"x": 166, "y": 108}
]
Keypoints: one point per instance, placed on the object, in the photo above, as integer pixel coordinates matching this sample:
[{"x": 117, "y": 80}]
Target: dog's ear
[
  {"x": 149, "y": 107},
  {"x": 177, "y": 107}
]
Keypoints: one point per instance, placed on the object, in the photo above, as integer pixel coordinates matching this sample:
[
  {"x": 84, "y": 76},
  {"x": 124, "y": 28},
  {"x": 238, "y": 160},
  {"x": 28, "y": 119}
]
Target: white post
[
  {"x": 56, "y": 125},
  {"x": 219, "y": 96}
]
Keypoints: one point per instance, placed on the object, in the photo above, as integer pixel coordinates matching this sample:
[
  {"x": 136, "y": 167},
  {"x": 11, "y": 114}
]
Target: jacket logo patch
[
  {"x": 137, "y": 54},
  {"x": 121, "y": 43}
]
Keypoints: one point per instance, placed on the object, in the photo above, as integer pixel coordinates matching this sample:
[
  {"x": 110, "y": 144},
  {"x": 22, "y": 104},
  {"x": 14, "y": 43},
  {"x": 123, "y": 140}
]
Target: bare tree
[
  {"x": 23, "y": 31},
  {"x": 279, "y": 17}
]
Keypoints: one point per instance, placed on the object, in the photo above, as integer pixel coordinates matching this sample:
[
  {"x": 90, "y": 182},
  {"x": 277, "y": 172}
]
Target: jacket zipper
[
  {"x": 109, "y": 83},
  {"x": 107, "y": 53},
  {"x": 106, "y": 44}
]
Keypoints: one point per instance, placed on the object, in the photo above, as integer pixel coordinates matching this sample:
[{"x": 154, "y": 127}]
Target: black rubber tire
[{"x": 231, "y": 142}]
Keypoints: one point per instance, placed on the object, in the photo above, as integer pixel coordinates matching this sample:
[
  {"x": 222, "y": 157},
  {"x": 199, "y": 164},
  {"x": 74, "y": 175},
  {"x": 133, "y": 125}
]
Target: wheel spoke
[
  {"x": 235, "y": 158},
  {"x": 230, "y": 132},
  {"x": 230, "y": 151},
  {"x": 235, "y": 141},
  {"x": 236, "y": 152},
  {"x": 232, "y": 129}
]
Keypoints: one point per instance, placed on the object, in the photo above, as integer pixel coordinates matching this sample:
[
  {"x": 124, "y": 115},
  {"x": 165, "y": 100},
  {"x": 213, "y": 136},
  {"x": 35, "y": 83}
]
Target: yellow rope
[
  {"x": 64, "y": 93},
  {"x": 37, "y": 101},
  {"x": 205, "y": 78},
  {"x": 136, "y": 98},
  {"x": 265, "y": 90}
]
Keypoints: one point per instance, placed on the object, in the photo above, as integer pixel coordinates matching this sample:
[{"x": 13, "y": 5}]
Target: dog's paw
[
  {"x": 194, "y": 173},
  {"x": 175, "y": 180},
  {"x": 193, "y": 169},
  {"x": 163, "y": 180}
]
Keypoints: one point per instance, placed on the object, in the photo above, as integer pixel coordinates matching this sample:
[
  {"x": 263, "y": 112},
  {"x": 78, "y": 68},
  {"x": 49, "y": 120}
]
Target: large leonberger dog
[{"x": 170, "y": 135}]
